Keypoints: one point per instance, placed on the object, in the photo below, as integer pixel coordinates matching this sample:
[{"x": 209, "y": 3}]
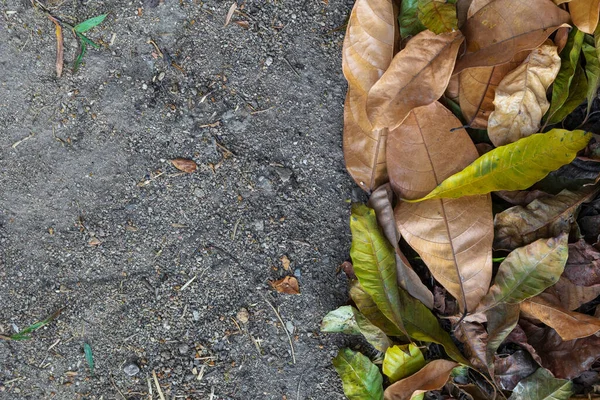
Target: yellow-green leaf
[
  {"x": 361, "y": 378},
  {"x": 592, "y": 70},
  {"x": 438, "y": 16},
  {"x": 347, "y": 319},
  {"x": 408, "y": 20},
  {"x": 562, "y": 84},
  {"x": 369, "y": 309},
  {"x": 515, "y": 166},
  {"x": 402, "y": 361}
]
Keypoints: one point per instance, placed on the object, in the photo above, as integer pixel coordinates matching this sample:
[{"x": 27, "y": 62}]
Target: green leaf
[
  {"x": 439, "y": 16},
  {"x": 402, "y": 361},
  {"x": 89, "y": 357},
  {"x": 89, "y": 23},
  {"x": 541, "y": 385},
  {"x": 24, "y": 334},
  {"x": 88, "y": 41},
  {"x": 79, "y": 59},
  {"x": 515, "y": 166},
  {"x": 577, "y": 94},
  {"x": 361, "y": 379},
  {"x": 501, "y": 320},
  {"x": 408, "y": 20},
  {"x": 563, "y": 82},
  {"x": 369, "y": 309},
  {"x": 349, "y": 320},
  {"x": 374, "y": 262},
  {"x": 527, "y": 272},
  {"x": 592, "y": 70}
]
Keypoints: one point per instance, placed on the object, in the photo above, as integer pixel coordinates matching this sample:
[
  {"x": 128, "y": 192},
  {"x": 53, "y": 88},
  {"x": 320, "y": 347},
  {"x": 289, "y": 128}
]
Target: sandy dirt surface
[{"x": 95, "y": 220}]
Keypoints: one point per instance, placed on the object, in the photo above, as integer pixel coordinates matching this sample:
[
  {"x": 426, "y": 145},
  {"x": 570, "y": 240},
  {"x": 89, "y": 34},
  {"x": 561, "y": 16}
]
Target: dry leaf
[
  {"x": 561, "y": 37},
  {"x": 417, "y": 76},
  {"x": 583, "y": 264},
  {"x": 511, "y": 369},
  {"x": 94, "y": 242},
  {"x": 572, "y": 296},
  {"x": 521, "y": 197},
  {"x": 503, "y": 28},
  {"x": 453, "y": 90},
  {"x": 520, "y": 101},
  {"x": 287, "y": 285},
  {"x": 453, "y": 237},
  {"x": 478, "y": 88},
  {"x": 230, "y": 13},
  {"x": 474, "y": 338},
  {"x": 59, "y": 47},
  {"x": 185, "y": 165},
  {"x": 585, "y": 14},
  {"x": 367, "y": 53},
  {"x": 432, "y": 376},
  {"x": 519, "y": 337},
  {"x": 285, "y": 262},
  {"x": 569, "y": 325}
]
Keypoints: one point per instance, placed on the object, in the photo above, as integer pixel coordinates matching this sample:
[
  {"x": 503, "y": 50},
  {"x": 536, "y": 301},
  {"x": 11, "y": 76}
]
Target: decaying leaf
[
  {"x": 361, "y": 378},
  {"x": 417, "y": 76},
  {"x": 432, "y": 376},
  {"x": 541, "y": 385},
  {"x": 583, "y": 265},
  {"x": 402, "y": 361},
  {"x": 527, "y": 272},
  {"x": 520, "y": 98},
  {"x": 375, "y": 264},
  {"x": 367, "y": 53},
  {"x": 287, "y": 285},
  {"x": 474, "y": 338},
  {"x": 439, "y": 16},
  {"x": 502, "y": 319},
  {"x": 515, "y": 166},
  {"x": 59, "y": 46},
  {"x": 478, "y": 88},
  {"x": 570, "y": 295},
  {"x": 185, "y": 165},
  {"x": 585, "y": 14},
  {"x": 381, "y": 201},
  {"x": 521, "y": 197},
  {"x": 452, "y": 237},
  {"x": 509, "y": 370},
  {"x": 566, "y": 359},
  {"x": 502, "y": 28},
  {"x": 542, "y": 218},
  {"x": 285, "y": 262},
  {"x": 570, "y": 325},
  {"x": 563, "y": 84},
  {"x": 349, "y": 320}
]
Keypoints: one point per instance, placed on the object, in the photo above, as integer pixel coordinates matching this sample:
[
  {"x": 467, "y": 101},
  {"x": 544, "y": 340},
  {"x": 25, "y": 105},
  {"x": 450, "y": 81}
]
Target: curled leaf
[
  {"x": 431, "y": 377},
  {"x": 515, "y": 166},
  {"x": 417, "y": 76},
  {"x": 402, "y": 361},
  {"x": 287, "y": 285},
  {"x": 520, "y": 98},
  {"x": 361, "y": 378},
  {"x": 502, "y": 28}
]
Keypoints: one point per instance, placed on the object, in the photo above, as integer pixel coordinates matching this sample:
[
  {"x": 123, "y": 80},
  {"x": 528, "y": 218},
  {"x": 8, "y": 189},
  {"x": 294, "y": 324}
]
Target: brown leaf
[
  {"x": 519, "y": 337},
  {"x": 453, "y": 90},
  {"x": 585, "y": 14},
  {"x": 520, "y": 197},
  {"x": 381, "y": 201},
  {"x": 452, "y": 236},
  {"x": 433, "y": 376},
  {"x": 503, "y": 28},
  {"x": 561, "y": 37},
  {"x": 543, "y": 218},
  {"x": 520, "y": 99},
  {"x": 94, "y": 242},
  {"x": 478, "y": 88},
  {"x": 185, "y": 165},
  {"x": 348, "y": 269},
  {"x": 510, "y": 370},
  {"x": 572, "y": 296},
  {"x": 287, "y": 285},
  {"x": 462, "y": 8},
  {"x": 285, "y": 262},
  {"x": 367, "y": 53},
  {"x": 230, "y": 13},
  {"x": 569, "y": 325},
  {"x": 583, "y": 264},
  {"x": 474, "y": 338},
  {"x": 59, "y": 47},
  {"x": 566, "y": 359},
  {"x": 417, "y": 76},
  {"x": 502, "y": 319}
]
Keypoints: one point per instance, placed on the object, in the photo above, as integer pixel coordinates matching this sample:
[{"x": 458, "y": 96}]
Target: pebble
[
  {"x": 144, "y": 86},
  {"x": 289, "y": 325},
  {"x": 196, "y": 315},
  {"x": 183, "y": 348},
  {"x": 131, "y": 369},
  {"x": 243, "y": 316},
  {"x": 269, "y": 61},
  {"x": 285, "y": 174}
]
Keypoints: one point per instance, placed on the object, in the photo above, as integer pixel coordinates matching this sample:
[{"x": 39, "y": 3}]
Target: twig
[
  {"x": 188, "y": 283},
  {"x": 291, "y": 67},
  {"x": 284, "y": 328},
  {"x": 112, "y": 382},
  {"x": 158, "y": 389}
]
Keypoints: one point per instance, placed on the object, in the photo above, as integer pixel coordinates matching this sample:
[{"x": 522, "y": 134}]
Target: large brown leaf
[
  {"x": 572, "y": 296},
  {"x": 583, "y": 264},
  {"x": 433, "y": 376},
  {"x": 452, "y": 236},
  {"x": 520, "y": 99},
  {"x": 368, "y": 51},
  {"x": 542, "y": 218},
  {"x": 478, "y": 88},
  {"x": 566, "y": 359},
  {"x": 381, "y": 201},
  {"x": 585, "y": 14},
  {"x": 417, "y": 76},
  {"x": 474, "y": 339},
  {"x": 502, "y": 28},
  {"x": 570, "y": 325}
]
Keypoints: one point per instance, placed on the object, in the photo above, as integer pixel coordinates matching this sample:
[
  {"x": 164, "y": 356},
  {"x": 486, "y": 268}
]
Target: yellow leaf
[
  {"x": 520, "y": 101},
  {"x": 515, "y": 166}
]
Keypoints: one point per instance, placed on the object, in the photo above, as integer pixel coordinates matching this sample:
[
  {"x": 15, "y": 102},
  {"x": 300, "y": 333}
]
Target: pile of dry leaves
[{"x": 476, "y": 263}]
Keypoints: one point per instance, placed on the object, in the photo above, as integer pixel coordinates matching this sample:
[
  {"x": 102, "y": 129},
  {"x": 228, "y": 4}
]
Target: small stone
[
  {"x": 131, "y": 369},
  {"x": 269, "y": 61},
  {"x": 196, "y": 315},
  {"x": 144, "y": 86},
  {"x": 243, "y": 316},
  {"x": 161, "y": 76},
  {"x": 290, "y": 327},
  {"x": 285, "y": 174},
  {"x": 183, "y": 348}
]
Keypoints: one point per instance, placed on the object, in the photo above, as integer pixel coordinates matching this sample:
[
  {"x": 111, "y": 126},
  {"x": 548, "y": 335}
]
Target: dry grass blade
[
  {"x": 60, "y": 50},
  {"x": 230, "y": 13}
]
